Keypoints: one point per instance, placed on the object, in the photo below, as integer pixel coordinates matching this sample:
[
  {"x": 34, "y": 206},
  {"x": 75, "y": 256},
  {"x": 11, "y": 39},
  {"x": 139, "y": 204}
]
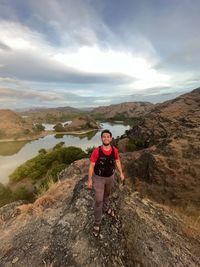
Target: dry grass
[
  {"x": 25, "y": 208},
  {"x": 191, "y": 231},
  {"x": 45, "y": 200},
  {"x": 55, "y": 188},
  {"x": 191, "y": 219},
  {"x": 29, "y": 209},
  {"x": 190, "y": 216},
  {"x": 60, "y": 188},
  {"x": 50, "y": 184},
  {"x": 57, "y": 191}
]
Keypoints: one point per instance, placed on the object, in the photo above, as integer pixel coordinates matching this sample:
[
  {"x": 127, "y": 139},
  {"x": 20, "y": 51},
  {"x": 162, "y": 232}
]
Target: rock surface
[{"x": 56, "y": 229}]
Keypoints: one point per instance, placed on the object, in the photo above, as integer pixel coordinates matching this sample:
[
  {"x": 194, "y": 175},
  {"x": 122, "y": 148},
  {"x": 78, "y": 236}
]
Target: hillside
[
  {"x": 52, "y": 115},
  {"x": 172, "y": 118},
  {"x": 56, "y": 229},
  {"x": 169, "y": 169},
  {"x": 120, "y": 111},
  {"x": 123, "y": 110},
  {"x": 13, "y": 125}
]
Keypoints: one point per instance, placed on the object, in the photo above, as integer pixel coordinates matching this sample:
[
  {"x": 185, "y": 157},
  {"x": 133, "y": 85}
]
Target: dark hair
[{"x": 106, "y": 131}]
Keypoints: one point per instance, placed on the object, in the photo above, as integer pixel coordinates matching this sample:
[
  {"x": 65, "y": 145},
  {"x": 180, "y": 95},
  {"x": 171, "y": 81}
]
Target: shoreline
[{"x": 45, "y": 133}]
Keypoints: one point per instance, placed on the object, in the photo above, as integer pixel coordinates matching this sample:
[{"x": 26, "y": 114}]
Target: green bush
[
  {"x": 134, "y": 144},
  {"x": 38, "y": 166},
  {"x": 72, "y": 153},
  {"x": 5, "y": 195},
  {"x": 59, "y": 145},
  {"x": 130, "y": 147},
  {"x": 56, "y": 170},
  {"x": 38, "y": 127},
  {"x": 136, "y": 121},
  {"x": 23, "y": 194},
  {"x": 42, "y": 186},
  {"x": 42, "y": 150}
]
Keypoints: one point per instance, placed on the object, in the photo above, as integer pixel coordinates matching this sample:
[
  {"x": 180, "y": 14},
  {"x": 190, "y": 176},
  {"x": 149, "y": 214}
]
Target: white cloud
[
  {"x": 95, "y": 60},
  {"x": 99, "y": 101},
  {"x": 19, "y": 37},
  {"x": 85, "y": 49}
]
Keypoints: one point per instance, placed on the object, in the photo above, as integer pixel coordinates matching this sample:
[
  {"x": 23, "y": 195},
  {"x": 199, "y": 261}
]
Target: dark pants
[{"x": 102, "y": 187}]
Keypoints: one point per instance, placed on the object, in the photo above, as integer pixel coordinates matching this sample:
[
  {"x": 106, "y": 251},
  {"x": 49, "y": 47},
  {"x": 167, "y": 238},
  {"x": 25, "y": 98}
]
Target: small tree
[
  {"x": 38, "y": 127},
  {"x": 59, "y": 127},
  {"x": 59, "y": 145},
  {"x": 42, "y": 150}
]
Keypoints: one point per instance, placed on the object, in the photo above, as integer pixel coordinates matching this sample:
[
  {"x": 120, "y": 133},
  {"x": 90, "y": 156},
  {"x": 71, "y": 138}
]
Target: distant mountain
[
  {"x": 117, "y": 111},
  {"x": 123, "y": 110},
  {"x": 64, "y": 109},
  {"x": 53, "y": 115}
]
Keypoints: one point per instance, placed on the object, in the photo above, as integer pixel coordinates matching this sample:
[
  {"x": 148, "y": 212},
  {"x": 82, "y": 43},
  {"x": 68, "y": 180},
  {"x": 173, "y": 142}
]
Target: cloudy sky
[{"x": 84, "y": 53}]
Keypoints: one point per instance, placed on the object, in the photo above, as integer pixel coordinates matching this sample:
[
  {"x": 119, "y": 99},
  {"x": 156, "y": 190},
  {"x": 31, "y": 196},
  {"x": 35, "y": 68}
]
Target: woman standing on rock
[{"x": 101, "y": 177}]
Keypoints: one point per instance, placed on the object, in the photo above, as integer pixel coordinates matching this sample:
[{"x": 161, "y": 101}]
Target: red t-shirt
[{"x": 95, "y": 153}]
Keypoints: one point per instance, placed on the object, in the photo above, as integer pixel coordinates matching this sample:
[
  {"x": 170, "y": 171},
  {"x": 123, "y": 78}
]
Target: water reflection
[{"x": 11, "y": 148}]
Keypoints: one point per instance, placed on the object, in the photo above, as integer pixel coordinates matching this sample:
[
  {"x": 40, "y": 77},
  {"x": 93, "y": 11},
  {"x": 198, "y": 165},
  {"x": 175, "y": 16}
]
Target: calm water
[{"x": 13, "y": 154}]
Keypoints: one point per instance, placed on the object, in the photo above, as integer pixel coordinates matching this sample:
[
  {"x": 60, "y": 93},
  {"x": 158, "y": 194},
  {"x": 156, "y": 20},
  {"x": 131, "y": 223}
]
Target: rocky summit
[{"x": 55, "y": 230}]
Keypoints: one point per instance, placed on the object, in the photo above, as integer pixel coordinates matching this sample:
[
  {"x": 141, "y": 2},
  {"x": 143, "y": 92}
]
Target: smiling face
[{"x": 106, "y": 139}]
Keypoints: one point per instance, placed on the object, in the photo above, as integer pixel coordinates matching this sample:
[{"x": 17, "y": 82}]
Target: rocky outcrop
[
  {"x": 169, "y": 169},
  {"x": 56, "y": 229},
  {"x": 176, "y": 118}
]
